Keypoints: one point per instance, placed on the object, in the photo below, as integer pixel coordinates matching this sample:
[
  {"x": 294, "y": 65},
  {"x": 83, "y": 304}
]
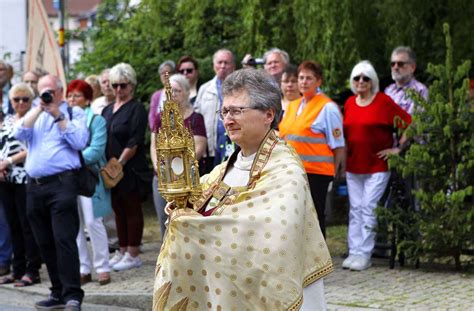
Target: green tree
[
  {"x": 443, "y": 164},
  {"x": 335, "y": 33}
]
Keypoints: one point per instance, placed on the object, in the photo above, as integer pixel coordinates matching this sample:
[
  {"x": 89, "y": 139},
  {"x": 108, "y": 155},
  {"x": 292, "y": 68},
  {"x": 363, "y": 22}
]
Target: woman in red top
[{"x": 370, "y": 120}]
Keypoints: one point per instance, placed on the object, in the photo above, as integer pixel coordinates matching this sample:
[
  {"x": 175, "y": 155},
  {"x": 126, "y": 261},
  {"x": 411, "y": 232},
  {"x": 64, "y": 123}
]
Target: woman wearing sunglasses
[
  {"x": 312, "y": 124},
  {"x": 126, "y": 125},
  {"x": 189, "y": 67},
  {"x": 370, "y": 119},
  {"x": 26, "y": 257}
]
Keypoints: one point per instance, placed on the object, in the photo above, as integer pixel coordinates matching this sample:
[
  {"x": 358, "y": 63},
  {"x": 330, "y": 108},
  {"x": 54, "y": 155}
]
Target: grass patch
[{"x": 336, "y": 238}]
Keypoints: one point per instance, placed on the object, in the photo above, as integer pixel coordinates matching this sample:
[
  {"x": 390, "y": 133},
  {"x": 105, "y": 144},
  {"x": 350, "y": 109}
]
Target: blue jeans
[{"x": 5, "y": 239}]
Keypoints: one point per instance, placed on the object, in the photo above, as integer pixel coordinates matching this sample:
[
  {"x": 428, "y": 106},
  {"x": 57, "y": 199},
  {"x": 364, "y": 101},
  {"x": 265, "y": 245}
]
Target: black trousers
[
  {"x": 26, "y": 256},
  {"x": 318, "y": 185},
  {"x": 52, "y": 212}
]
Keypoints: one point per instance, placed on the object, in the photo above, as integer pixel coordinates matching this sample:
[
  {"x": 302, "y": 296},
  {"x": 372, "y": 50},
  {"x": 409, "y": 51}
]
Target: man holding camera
[
  {"x": 55, "y": 135},
  {"x": 275, "y": 61}
]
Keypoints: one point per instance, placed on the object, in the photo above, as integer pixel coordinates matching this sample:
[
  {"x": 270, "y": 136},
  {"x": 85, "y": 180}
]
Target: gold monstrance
[{"x": 178, "y": 169}]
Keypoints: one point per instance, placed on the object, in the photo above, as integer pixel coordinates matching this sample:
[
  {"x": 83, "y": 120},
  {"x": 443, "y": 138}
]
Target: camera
[
  {"x": 254, "y": 62},
  {"x": 47, "y": 97}
]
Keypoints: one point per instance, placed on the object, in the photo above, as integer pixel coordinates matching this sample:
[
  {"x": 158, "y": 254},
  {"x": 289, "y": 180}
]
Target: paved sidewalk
[
  {"x": 400, "y": 288},
  {"x": 378, "y": 288}
]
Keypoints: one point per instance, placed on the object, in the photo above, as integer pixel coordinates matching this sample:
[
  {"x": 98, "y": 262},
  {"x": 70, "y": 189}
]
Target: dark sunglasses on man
[
  {"x": 186, "y": 71},
  {"x": 399, "y": 64}
]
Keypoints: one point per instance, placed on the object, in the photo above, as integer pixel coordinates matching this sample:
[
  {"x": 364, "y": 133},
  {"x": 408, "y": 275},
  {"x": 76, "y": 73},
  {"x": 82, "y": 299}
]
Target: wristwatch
[{"x": 60, "y": 118}]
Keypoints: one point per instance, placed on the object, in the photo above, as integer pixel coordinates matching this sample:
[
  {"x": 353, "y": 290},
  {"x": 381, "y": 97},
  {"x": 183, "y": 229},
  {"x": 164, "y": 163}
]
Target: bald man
[{"x": 55, "y": 134}]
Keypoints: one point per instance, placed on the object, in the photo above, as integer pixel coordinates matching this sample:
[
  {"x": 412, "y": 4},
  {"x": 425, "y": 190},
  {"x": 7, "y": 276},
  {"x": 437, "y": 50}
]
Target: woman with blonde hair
[
  {"x": 26, "y": 256},
  {"x": 126, "y": 125}
]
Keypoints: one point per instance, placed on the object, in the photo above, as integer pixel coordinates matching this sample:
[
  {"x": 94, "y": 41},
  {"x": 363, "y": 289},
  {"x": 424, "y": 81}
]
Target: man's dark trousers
[
  {"x": 26, "y": 256},
  {"x": 52, "y": 212}
]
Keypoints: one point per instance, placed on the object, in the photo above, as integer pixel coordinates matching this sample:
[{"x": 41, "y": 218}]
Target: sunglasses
[
  {"x": 19, "y": 99},
  {"x": 122, "y": 85},
  {"x": 357, "y": 78},
  {"x": 186, "y": 70},
  {"x": 399, "y": 64}
]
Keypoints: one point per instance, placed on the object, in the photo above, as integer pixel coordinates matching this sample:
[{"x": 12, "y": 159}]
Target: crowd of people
[{"x": 49, "y": 131}]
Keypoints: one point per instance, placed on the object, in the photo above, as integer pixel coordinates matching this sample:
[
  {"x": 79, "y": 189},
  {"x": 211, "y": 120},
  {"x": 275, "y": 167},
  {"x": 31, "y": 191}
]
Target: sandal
[
  {"x": 27, "y": 280},
  {"x": 9, "y": 279},
  {"x": 104, "y": 278}
]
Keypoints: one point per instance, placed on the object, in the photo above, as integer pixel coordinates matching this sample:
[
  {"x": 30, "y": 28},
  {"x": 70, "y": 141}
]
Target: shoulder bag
[
  {"x": 112, "y": 173},
  {"x": 87, "y": 177}
]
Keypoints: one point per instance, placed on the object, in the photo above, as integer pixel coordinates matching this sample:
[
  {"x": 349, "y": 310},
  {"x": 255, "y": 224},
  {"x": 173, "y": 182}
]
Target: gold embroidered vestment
[{"x": 257, "y": 251}]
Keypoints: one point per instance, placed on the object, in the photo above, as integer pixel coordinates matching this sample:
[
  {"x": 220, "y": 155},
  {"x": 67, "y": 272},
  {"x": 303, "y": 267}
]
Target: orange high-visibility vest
[{"x": 312, "y": 148}]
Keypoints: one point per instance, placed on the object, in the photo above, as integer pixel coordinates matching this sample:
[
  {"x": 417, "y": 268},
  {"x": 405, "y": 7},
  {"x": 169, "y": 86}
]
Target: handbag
[
  {"x": 112, "y": 173},
  {"x": 87, "y": 178}
]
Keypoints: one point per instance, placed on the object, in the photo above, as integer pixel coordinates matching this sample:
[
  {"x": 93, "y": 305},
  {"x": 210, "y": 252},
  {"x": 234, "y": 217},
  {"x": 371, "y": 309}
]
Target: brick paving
[
  {"x": 378, "y": 288},
  {"x": 400, "y": 288}
]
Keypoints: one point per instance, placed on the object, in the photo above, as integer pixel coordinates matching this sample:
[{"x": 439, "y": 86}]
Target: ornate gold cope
[{"x": 178, "y": 169}]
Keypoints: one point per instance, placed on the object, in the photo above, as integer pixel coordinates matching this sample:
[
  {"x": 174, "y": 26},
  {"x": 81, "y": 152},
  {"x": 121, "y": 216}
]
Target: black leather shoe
[{"x": 50, "y": 304}]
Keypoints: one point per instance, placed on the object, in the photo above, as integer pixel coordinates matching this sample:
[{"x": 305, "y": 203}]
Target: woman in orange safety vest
[{"x": 312, "y": 124}]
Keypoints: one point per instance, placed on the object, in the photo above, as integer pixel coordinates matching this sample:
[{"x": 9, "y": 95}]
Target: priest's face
[{"x": 245, "y": 125}]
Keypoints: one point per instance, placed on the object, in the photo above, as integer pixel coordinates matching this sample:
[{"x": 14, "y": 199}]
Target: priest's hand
[{"x": 170, "y": 206}]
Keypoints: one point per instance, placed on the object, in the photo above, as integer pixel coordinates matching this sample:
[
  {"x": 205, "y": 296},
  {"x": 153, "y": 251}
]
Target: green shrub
[{"x": 442, "y": 161}]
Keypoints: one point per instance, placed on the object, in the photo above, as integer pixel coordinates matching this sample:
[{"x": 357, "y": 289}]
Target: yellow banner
[{"x": 42, "y": 48}]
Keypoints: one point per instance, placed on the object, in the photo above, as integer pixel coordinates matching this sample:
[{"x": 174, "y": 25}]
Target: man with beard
[{"x": 403, "y": 64}]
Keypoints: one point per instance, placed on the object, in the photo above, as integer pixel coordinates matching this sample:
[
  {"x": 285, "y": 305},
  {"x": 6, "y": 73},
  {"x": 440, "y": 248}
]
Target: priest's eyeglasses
[{"x": 233, "y": 112}]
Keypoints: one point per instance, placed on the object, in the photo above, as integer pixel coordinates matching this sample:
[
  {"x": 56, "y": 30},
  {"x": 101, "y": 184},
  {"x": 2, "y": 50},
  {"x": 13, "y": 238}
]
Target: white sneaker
[
  {"x": 360, "y": 263},
  {"x": 128, "y": 262},
  {"x": 346, "y": 264},
  {"x": 116, "y": 259}
]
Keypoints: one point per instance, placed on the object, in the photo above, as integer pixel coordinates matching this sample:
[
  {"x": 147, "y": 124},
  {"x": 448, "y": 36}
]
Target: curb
[{"x": 127, "y": 300}]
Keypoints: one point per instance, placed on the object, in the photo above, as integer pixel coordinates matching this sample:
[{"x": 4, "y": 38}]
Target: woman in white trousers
[
  {"x": 99, "y": 242},
  {"x": 93, "y": 209},
  {"x": 370, "y": 119}
]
